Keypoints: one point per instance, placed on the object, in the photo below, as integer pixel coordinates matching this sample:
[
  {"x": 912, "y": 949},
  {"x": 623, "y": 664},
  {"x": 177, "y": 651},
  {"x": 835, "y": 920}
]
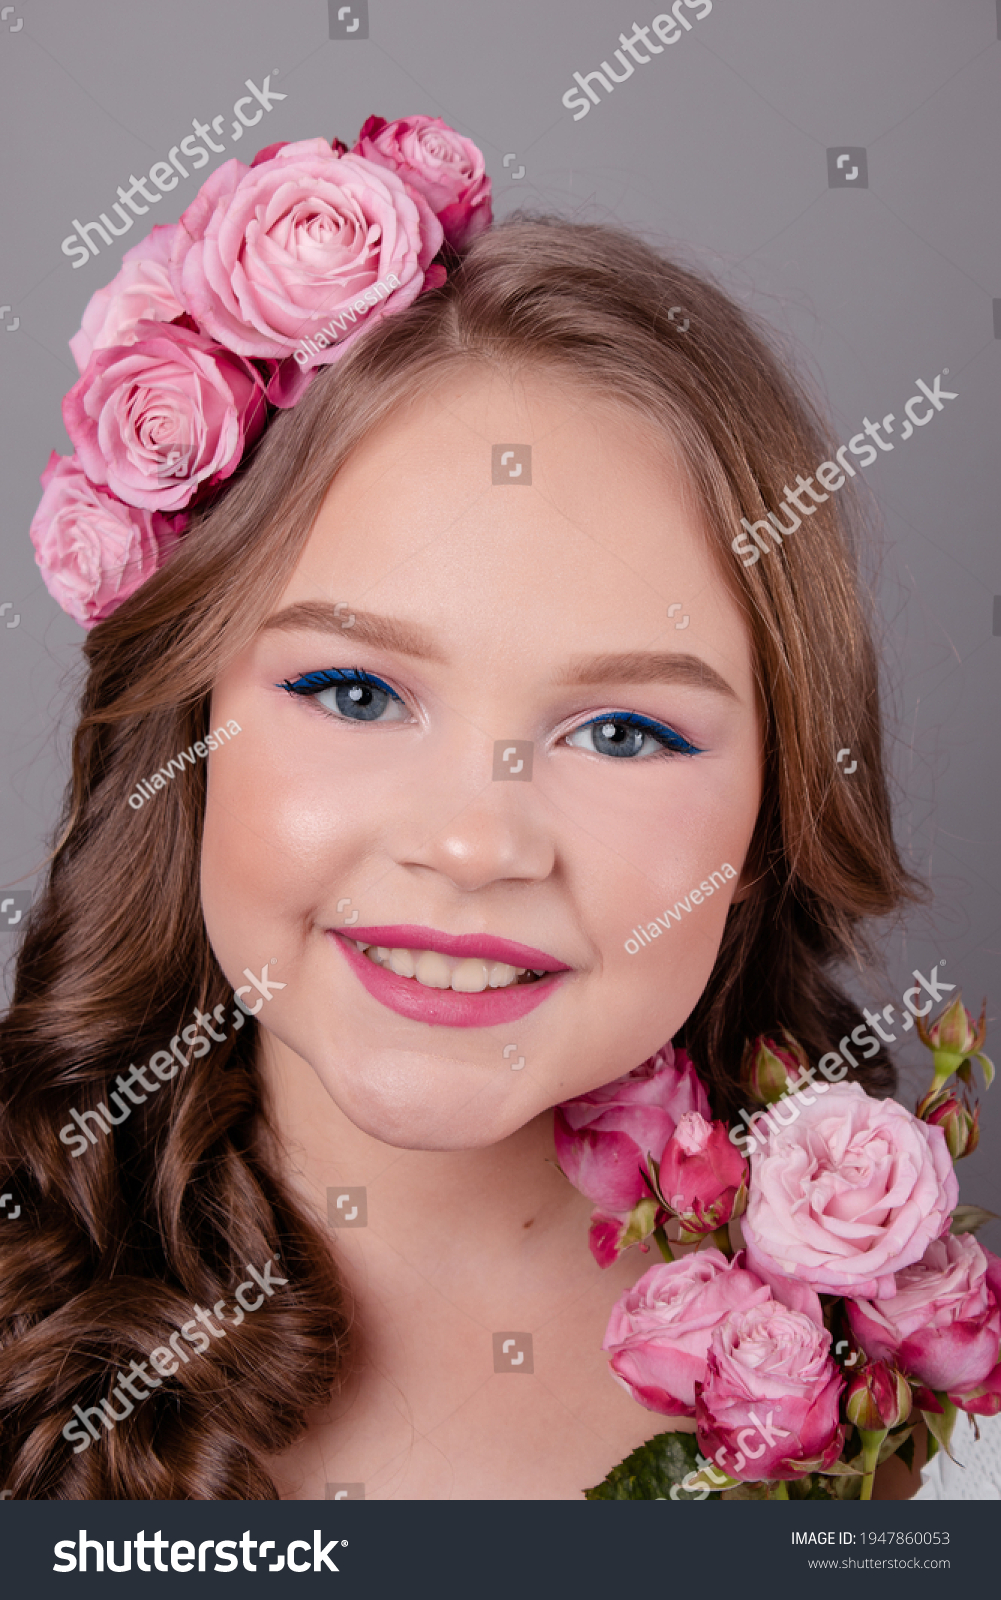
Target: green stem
[
  {"x": 663, "y": 1244},
  {"x": 871, "y": 1441},
  {"x": 721, "y": 1239},
  {"x": 779, "y": 1490}
]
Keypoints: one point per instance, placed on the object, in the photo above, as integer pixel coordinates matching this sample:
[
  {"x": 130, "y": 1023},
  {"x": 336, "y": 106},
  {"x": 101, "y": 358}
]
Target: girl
[{"x": 294, "y": 1025}]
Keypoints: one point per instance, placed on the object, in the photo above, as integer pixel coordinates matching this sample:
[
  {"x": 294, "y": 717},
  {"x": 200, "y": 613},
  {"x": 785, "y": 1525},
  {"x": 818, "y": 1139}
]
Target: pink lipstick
[{"x": 445, "y": 1006}]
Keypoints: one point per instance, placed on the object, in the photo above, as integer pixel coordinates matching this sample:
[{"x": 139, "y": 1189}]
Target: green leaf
[
  {"x": 967, "y": 1219},
  {"x": 746, "y": 1491},
  {"x": 652, "y": 1471},
  {"x": 710, "y": 1478},
  {"x": 988, "y": 1068},
  {"x": 846, "y": 1488},
  {"x": 817, "y": 1487},
  {"x": 941, "y": 1423},
  {"x": 895, "y": 1442}
]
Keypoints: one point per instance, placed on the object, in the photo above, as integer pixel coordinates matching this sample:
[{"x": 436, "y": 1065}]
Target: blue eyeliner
[
  {"x": 673, "y": 743},
  {"x": 312, "y": 682}
]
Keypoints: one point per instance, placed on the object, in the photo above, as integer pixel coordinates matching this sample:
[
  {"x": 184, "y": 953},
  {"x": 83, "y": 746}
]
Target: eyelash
[{"x": 309, "y": 684}]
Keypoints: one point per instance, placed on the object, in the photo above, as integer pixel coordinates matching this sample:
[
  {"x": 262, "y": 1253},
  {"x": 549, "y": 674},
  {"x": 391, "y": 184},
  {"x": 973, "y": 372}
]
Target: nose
[{"x": 498, "y": 836}]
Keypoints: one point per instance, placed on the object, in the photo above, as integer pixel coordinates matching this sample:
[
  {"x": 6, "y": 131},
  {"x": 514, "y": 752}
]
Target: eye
[
  {"x": 351, "y": 694},
  {"x": 627, "y": 734}
]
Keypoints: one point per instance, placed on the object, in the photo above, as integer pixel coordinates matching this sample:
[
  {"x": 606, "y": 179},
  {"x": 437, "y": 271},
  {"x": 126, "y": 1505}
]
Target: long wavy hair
[{"x": 112, "y": 1251}]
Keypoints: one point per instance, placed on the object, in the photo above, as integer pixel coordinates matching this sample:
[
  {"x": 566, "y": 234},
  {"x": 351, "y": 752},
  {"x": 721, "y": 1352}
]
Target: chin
[{"x": 422, "y": 1102}]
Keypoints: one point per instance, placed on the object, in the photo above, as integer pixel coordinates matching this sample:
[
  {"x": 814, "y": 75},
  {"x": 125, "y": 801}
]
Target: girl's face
[{"x": 502, "y": 718}]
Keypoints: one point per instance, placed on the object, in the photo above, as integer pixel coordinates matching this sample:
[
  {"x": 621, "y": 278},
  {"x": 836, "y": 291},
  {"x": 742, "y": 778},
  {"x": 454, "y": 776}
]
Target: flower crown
[{"x": 215, "y": 321}]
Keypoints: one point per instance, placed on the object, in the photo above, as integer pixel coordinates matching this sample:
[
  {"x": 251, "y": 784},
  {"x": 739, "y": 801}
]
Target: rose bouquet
[{"x": 860, "y": 1302}]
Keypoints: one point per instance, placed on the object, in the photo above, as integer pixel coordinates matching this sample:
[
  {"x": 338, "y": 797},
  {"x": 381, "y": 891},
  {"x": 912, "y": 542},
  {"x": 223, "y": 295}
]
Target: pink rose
[
  {"x": 432, "y": 158},
  {"x": 847, "y": 1194},
  {"x": 702, "y": 1174},
  {"x": 603, "y": 1138},
  {"x": 309, "y": 244},
  {"x": 943, "y": 1325},
  {"x": 163, "y": 417},
  {"x": 769, "y": 1404},
  {"x": 660, "y": 1329},
  {"x": 140, "y": 293},
  {"x": 94, "y": 551}
]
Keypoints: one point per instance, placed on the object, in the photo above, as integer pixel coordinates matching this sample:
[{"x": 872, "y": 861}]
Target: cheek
[
  {"x": 275, "y": 845},
  {"x": 643, "y": 848},
  {"x": 640, "y": 854}
]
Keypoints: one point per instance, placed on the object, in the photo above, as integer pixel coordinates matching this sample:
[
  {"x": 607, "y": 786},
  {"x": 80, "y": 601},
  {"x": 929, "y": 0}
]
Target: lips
[
  {"x": 515, "y": 977},
  {"x": 410, "y": 936}
]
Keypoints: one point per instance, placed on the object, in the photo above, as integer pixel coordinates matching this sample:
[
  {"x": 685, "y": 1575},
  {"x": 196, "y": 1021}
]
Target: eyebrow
[
  {"x": 412, "y": 639},
  {"x": 386, "y": 633},
  {"x": 645, "y": 666}
]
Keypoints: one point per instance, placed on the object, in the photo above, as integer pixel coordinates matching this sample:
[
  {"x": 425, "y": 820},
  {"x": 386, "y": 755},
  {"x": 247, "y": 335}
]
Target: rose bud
[
  {"x": 770, "y": 1070},
  {"x": 960, "y": 1125},
  {"x": 953, "y": 1038},
  {"x": 702, "y": 1177},
  {"x": 609, "y": 1236},
  {"x": 878, "y": 1399},
  {"x": 605, "y": 1138}
]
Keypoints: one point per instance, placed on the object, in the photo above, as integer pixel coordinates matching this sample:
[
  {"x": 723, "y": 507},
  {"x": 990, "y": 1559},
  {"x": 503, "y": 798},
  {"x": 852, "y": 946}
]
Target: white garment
[{"x": 979, "y": 1476}]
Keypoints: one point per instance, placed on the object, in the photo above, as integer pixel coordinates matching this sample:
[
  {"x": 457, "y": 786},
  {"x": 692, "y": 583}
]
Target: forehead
[{"x": 592, "y": 540}]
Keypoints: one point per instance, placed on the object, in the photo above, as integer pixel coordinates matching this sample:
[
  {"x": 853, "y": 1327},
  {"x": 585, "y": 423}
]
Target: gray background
[{"x": 718, "y": 148}]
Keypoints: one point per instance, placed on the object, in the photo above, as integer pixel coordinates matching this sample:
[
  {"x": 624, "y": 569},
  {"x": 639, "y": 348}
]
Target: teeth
[
  {"x": 500, "y": 975},
  {"x": 433, "y": 970},
  {"x": 470, "y": 975}
]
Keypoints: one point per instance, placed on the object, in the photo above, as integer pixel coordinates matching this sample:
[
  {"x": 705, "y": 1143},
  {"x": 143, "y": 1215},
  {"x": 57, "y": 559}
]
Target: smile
[
  {"x": 457, "y": 981},
  {"x": 435, "y": 971}
]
